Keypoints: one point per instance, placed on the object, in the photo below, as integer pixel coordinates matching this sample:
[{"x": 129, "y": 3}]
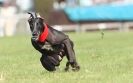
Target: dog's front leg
[
  {"x": 67, "y": 66},
  {"x": 75, "y": 66},
  {"x": 70, "y": 55}
]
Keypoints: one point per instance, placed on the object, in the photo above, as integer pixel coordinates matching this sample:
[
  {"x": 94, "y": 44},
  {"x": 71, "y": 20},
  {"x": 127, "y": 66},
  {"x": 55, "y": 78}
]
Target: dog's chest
[{"x": 45, "y": 46}]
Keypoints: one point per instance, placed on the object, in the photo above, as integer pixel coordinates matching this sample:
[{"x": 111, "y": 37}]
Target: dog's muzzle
[{"x": 35, "y": 37}]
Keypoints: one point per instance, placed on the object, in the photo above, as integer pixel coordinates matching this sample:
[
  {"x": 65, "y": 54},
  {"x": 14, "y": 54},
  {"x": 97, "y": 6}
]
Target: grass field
[{"x": 107, "y": 60}]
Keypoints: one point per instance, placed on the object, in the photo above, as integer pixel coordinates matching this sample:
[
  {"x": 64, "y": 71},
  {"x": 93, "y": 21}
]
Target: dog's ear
[
  {"x": 31, "y": 15},
  {"x": 38, "y": 15},
  {"x": 42, "y": 19}
]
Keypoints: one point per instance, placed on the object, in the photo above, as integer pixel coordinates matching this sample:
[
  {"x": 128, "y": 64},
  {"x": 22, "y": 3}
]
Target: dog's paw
[
  {"x": 76, "y": 68},
  {"x": 66, "y": 69}
]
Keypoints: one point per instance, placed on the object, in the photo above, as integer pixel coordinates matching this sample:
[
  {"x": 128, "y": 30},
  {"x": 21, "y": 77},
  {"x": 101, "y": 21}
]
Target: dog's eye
[
  {"x": 29, "y": 20},
  {"x": 37, "y": 24}
]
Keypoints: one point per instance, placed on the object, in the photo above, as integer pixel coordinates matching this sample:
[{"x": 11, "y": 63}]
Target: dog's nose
[{"x": 34, "y": 33}]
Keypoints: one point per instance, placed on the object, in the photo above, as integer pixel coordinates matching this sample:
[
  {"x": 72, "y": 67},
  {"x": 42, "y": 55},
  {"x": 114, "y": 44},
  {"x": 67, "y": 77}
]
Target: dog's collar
[{"x": 44, "y": 34}]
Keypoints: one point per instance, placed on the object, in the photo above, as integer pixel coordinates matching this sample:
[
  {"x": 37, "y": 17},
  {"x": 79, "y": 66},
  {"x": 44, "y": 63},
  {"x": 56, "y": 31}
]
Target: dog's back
[{"x": 55, "y": 36}]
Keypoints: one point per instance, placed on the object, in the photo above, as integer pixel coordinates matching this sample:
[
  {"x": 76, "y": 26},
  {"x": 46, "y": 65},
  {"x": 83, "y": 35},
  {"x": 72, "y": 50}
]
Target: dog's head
[{"x": 36, "y": 25}]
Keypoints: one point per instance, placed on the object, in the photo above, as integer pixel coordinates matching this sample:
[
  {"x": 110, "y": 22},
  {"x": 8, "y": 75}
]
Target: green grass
[{"x": 107, "y": 60}]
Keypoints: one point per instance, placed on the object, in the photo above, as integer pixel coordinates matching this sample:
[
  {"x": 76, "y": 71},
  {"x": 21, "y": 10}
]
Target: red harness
[{"x": 44, "y": 35}]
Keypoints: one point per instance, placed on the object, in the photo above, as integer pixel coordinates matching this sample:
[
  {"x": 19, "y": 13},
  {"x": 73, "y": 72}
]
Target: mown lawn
[{"x": 107, "y": 60}]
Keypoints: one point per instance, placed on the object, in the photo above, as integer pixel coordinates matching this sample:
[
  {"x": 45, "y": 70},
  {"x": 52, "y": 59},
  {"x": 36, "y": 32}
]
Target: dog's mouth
[{"x": 35, "y": 37}]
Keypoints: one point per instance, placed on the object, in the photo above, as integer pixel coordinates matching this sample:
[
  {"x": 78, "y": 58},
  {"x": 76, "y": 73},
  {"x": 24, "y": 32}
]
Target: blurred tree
[{"x": 44, "y": 7}]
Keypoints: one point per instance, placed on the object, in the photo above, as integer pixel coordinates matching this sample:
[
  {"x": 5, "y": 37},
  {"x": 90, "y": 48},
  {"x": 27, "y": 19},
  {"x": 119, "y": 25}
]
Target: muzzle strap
[{"x": 44, "y": 35}]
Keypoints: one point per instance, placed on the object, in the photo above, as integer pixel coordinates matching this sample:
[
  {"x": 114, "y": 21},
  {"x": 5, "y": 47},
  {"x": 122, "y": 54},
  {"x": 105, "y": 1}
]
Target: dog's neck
[{"x": 44, "y": 34}]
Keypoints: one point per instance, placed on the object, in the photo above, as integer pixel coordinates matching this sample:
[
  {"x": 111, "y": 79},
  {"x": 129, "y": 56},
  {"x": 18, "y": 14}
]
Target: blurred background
[
  {"x": 101, "y": 32},
  {"x": 67, "y": 15}
]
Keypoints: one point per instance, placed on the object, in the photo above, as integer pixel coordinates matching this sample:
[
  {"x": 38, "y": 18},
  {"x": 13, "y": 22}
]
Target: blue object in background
[{"x": 101, "y": 13}]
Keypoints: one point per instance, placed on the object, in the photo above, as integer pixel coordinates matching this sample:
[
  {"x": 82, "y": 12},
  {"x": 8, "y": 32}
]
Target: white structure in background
[
  {"x": 2, "y": 23},
  {"x": 25, "y": 5},
  {"x": 8, "y": 19},
  {"x": 85, "y": 2},
  {"x": 72, "y": 3},
  {"x": 64, "y": 3},
  {"x": 56, "y": 5},
  {"x": 58, "y": 27},
  {"x": 102, "y": 26},
  {"x": 128, "y": 1},
  {"x": 60, "y": 5}
]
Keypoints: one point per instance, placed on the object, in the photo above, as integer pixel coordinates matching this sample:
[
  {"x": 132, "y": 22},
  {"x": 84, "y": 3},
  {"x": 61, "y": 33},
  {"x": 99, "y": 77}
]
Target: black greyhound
[{"x": 52, "y": 44}]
